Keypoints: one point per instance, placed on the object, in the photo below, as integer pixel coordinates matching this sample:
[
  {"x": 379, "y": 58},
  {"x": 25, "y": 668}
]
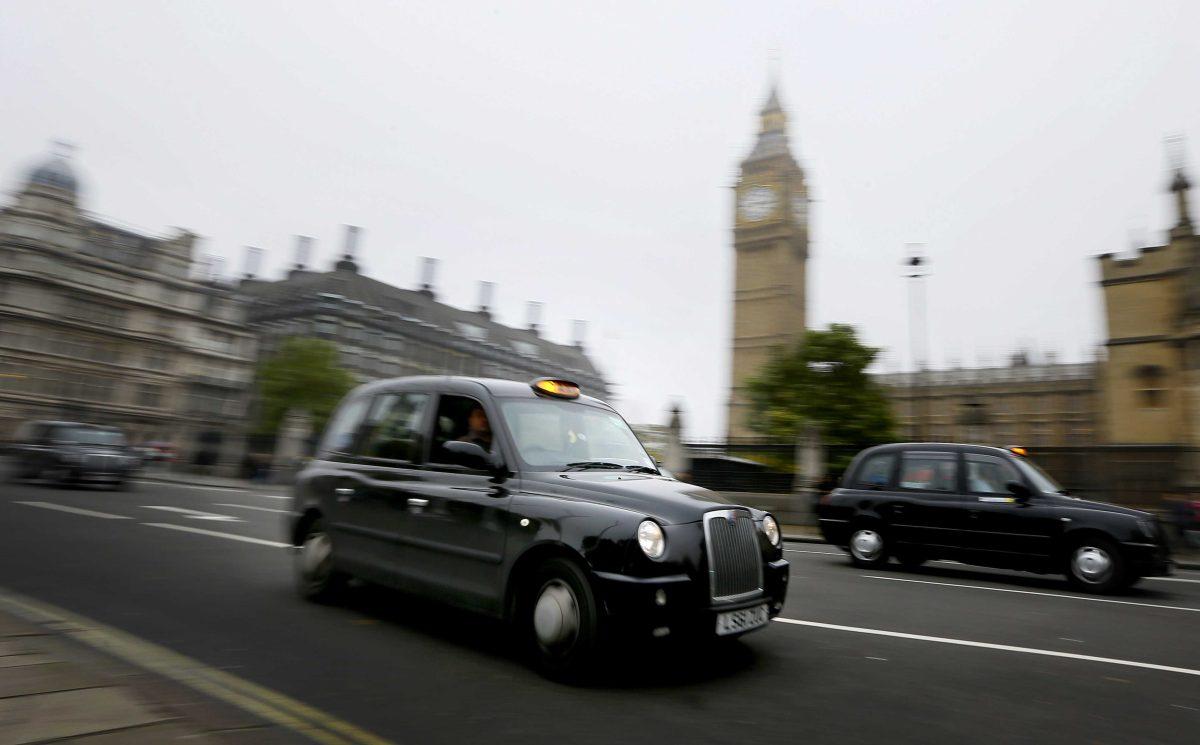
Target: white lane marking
[
  {"x": 823, "y": 553},
  {"x": 248, "y": 507},
  {"x": 177, "y": 485},
  {"x": 215, "y": 534},
  {"x": 273, "y": 496},
  {"x": 988, "y": 645},
  {"x": 74, "y": 510},
  {"x": 1032, "y": 592},
  {"x": 194, "y": 514},
  {"x": 1173, "y": 579}
]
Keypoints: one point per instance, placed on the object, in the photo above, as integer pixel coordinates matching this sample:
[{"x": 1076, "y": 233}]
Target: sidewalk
[
  {"x": 1184, "y": 558},
  {"x": 196, "y": 479},
  {"x": 54, "y": 689}
]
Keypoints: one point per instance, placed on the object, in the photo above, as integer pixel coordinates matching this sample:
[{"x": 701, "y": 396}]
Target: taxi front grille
[{"x": 735, "y": 568}]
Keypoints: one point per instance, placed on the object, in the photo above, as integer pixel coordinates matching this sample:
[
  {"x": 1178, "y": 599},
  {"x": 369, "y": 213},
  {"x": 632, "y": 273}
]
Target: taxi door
[
  {"x": 997, "y": 528},
  {"x": 926, "y": 516},
  {"x": 456, "y": 519}
]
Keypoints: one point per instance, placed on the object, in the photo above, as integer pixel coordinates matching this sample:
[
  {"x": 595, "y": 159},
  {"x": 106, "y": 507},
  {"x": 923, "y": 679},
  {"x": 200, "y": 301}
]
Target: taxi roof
[{"x": 497, "y": 387}]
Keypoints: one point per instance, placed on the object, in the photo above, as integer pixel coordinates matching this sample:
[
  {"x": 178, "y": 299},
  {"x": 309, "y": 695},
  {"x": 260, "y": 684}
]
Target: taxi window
[
  {"x": 875, "y": 471},
  {"x": 340, "y": 434},
  {"x": 929, "y": 471},
  {"x": 989, "y": 474},
  {"x": 394, "y": 427}
]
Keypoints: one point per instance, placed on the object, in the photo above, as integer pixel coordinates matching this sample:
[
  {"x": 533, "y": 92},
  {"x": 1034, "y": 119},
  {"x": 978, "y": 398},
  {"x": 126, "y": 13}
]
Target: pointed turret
[{"x": 772, "y": 132}]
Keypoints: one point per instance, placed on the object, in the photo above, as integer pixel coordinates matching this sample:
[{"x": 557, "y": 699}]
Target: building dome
[{"x": 55, "y": 172}]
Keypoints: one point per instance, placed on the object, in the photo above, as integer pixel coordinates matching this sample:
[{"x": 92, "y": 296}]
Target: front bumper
[
  {"x": 632, "y": 603},
  {"x": 1148, "y": 559}
]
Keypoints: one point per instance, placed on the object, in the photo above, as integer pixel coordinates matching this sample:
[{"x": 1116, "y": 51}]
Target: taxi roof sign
[
  {"x": 555, "y": 387},
  {"x": 1018, "y": 450}
]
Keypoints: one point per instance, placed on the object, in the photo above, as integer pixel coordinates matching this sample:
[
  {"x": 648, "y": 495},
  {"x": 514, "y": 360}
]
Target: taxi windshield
[
  {"x": 88, "y": 436},
  {"x": 554, "y": 435},
  {"x": 1039, "y": 478}
]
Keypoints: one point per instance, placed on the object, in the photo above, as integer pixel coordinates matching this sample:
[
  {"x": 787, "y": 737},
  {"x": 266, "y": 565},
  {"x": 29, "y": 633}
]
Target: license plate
[{"x": 737, "y": 621}]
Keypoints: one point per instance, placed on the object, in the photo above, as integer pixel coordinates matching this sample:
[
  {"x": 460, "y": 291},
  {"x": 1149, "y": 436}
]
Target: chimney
[
  {"x": 303, "y": 252},
  {"x": 578, "y": 331},
  {"x": 533, "y": 315},
  {"x": 251, "y": 262},
  {"x": 347, "y": 262},
  {"x": 486, "y": 291},
  {"x": 428, "y": 269}
]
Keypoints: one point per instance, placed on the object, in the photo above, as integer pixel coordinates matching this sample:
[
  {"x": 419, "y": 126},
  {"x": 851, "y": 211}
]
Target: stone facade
[
  {"x": 103, "y": 324},
  {"x": 384, "y": 331},
  {"x": 770, "y": 239},
  {"x": 1152, "y": 307},
  {"x": 1022, "y": 404}
]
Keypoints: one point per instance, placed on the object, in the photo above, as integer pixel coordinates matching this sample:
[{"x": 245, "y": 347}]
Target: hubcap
[
  {"x": 866, "y": 545},
  {"x": 314, "y": 555},
  {"x": 1092, "y": 565},
  {"x": 556, "y": 614}
]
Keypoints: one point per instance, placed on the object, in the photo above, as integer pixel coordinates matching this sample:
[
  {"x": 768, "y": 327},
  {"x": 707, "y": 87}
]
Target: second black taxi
[
  {"x": 532, "y": 503},
  {"x": 986, "y": 506}
]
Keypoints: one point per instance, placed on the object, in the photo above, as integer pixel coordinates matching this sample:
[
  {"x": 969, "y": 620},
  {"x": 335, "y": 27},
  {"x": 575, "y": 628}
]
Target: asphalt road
[{"x": 946, "y": 654}]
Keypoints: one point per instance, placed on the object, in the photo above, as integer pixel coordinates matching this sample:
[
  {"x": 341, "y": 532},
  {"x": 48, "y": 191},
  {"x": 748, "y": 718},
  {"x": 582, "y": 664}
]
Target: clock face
[
  {"x": 800, "y": 208},
  {"x": 757, "y": 203}
]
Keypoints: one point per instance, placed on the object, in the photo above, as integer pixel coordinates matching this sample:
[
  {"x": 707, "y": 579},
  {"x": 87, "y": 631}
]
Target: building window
[
  {"x": 1151, "y": 386},
  {"x": 149, "y": 396}
]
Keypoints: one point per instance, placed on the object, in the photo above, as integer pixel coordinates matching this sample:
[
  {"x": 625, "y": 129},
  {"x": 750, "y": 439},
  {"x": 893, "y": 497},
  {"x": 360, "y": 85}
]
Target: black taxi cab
[
  {"x": 986, "y": 506},
  {"x": 533, "y": 503}
]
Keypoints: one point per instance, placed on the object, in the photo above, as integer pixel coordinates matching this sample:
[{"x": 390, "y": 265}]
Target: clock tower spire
[{"x": 770, "y": 241}]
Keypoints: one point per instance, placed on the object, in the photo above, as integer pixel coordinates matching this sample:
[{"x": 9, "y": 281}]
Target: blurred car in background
[
  {"x": 157, "y": 451},
  {"x": 989, "y": 507},
  {"x": 71, "y": 453}
]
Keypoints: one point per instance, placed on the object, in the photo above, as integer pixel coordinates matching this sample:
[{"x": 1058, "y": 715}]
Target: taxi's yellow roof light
[
  {"x": 555, "y": 387},
  {"x": 1018, "y": 450}
]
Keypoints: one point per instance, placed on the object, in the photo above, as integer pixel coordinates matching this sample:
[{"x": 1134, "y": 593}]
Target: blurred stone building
[
  {"x": 1152, "y": 308},
  {"x": 385, "y": 331},
  {"x": 770, "y": 242},
  {"x": 1038, "y": 405},
  {"x": 102, "y": 324}
]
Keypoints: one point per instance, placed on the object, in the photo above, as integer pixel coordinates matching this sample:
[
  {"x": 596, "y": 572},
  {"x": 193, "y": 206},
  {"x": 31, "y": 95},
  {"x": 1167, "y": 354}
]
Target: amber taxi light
[
  {"x": 1018, "y": 450},
  {"x": 556, "y": 388}
]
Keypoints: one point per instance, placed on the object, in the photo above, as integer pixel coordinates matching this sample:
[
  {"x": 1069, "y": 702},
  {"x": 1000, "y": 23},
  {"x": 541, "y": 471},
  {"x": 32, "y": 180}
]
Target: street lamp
[{"x": 916, "y": 269}]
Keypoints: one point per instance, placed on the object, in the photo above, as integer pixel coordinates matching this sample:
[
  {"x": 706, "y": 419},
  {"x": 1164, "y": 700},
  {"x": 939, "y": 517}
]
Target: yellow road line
[{"x": 264, "y": 702}]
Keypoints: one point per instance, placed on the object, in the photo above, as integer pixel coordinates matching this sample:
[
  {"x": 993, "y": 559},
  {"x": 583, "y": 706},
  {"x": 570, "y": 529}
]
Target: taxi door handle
[
  {"x": 344, "y": 493},
  {"x": 417, "y": 502}
]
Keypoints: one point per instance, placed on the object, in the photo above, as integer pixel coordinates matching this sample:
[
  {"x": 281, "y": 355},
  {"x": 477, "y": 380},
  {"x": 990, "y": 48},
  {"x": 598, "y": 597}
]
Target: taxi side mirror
[
  {"x": 1018, "y": 490},
  {"x": 473, "y": 455}
]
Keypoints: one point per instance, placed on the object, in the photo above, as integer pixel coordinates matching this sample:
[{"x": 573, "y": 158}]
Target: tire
[
  {"x": 561, "y": 622},
  {"x": 1095, "y": 564},
  {"x": 868, "y": 546},
  {"x": 316, "y": 577}
]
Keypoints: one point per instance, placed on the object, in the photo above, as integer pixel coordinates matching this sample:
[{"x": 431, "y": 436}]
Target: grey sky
[{"x": 581, "y": 156}]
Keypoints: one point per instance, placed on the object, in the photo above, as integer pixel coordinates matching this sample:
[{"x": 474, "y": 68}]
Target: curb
[{"x": 793, "y": 538}]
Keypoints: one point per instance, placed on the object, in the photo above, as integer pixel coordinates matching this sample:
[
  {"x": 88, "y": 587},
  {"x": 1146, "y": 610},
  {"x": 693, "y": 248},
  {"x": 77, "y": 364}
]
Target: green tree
[
  {"x": 823, "y": 380},
  {"x": 303, "y": 373}
]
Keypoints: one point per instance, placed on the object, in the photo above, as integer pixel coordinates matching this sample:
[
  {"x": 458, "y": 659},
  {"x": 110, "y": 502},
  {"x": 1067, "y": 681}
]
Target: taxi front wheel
[
  {"x": 1095, "y": 564},
  {"x": 561, "y": 620},
  {"x": 316, "y": 577}
]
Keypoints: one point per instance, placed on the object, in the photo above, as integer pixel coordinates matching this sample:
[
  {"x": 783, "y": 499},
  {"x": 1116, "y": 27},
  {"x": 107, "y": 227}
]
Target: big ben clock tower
[{"x": 770, "y": 241}]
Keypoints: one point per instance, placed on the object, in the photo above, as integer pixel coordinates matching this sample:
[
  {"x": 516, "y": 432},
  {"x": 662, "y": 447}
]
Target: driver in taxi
[{"x": 479, "y": 430}]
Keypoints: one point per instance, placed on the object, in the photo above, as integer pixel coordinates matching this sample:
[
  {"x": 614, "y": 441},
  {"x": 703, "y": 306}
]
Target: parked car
[
  {"x": 71, "y": 452},
  {"x": 986, "y": 506},
  {"x": 157, "y": 451},
  {"x": 532, "y": 503}
]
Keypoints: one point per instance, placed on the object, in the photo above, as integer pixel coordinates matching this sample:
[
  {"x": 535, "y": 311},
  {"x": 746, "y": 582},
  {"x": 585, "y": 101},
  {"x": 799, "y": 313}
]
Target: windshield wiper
[
  {"x": 584, "y": 464},
  {"x": 642, "y": 469}
]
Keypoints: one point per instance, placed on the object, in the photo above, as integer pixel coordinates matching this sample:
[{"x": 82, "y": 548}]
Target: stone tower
[{"x": 770, "y": 241}]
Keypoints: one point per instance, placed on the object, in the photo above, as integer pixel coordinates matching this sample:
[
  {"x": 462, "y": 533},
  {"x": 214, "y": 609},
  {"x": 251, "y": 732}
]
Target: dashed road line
[
  {"x": 250, "y": 507},
  {"x": 216, "y": 534},
  {"x": 75, "y": 510},
  {"x": 194, "y": 514},
  {"x": 1033, "y": 592},
  {"x": 989, "y": 645}
]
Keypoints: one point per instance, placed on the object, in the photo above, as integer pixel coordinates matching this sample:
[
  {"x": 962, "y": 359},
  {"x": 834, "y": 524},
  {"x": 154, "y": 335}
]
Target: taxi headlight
[
  {"x": 771, "y": 528},
  {"x": 651, "y": 539}
]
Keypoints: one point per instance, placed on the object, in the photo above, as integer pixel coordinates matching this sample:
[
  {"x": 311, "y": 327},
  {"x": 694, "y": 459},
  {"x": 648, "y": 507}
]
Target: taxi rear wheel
[
  {"x": 868, "y": 546},
  {"x": 316, "y": 577},
  {"x": 561, "y": 620}
]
